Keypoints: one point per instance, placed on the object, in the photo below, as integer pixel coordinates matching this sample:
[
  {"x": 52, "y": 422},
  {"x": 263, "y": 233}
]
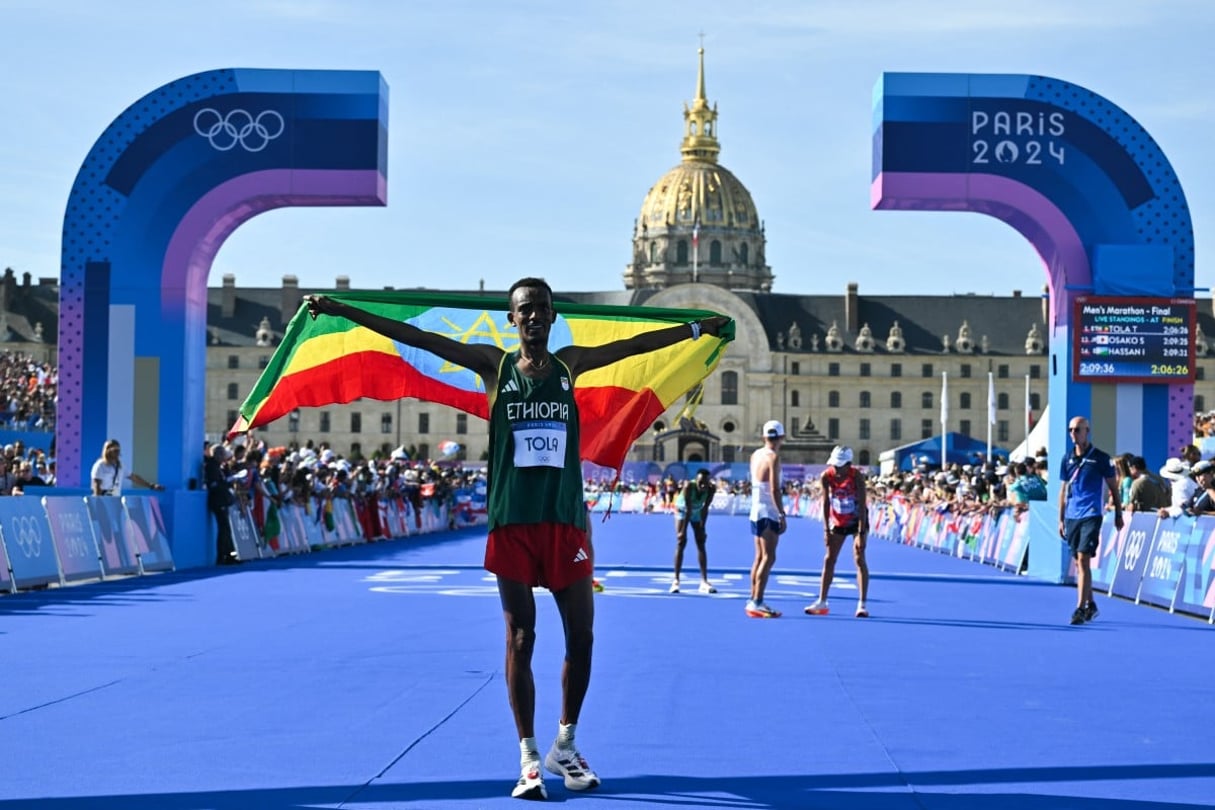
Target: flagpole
[
  {"x": 944, "y": 416},
  {"x": 695, "y": 252},
  {"x": 1028, "y": 427},
  {"x": 991, "y": 411}
]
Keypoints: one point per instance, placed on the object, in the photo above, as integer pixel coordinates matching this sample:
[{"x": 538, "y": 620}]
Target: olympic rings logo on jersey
[
  {"x": 29, "y": 536},
  {"x": 225, "y": 131}
]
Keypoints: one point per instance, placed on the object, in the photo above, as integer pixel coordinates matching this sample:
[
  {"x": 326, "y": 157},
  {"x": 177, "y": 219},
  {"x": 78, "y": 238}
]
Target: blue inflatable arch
[{"x": 162, "y": 188}]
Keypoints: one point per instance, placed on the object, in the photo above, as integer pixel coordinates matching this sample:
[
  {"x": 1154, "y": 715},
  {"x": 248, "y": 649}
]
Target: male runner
[
  {"x": 845, "y": 513},
  {"x": 697, "y": 495},
  {"x": 767, "y": 516},
  {"x": 537, "y": 515}
]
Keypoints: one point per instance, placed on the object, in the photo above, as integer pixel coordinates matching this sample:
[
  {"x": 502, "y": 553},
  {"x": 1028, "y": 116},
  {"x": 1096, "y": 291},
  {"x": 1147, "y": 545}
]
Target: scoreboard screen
[{"x": 1143, "y": 340}]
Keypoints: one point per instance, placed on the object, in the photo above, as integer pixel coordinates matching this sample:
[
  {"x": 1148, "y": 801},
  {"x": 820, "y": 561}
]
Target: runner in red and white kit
[{"x": 844, "y": 513}]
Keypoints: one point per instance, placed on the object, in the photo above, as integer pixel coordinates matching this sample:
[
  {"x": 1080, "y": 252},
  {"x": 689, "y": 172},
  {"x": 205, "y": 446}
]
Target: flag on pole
[
  {"x": 944, "y": 401},
  {"x": 944, "y": 416},
  {"x": 991, "y": 409},
  {"x": 332, "y": 360},
  {"x": 991, "y": 399}
]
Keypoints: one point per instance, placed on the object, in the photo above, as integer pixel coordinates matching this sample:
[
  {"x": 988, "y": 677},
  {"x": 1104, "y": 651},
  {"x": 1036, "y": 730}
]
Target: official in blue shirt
[{"x": 1085, "y": 472}]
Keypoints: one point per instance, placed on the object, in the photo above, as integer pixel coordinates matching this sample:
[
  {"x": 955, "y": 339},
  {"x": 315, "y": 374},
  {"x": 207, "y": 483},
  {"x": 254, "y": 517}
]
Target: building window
[
  {"x": 681, "y": 252},
  {"x": 964, "y": 401},
  {"x": 324, "y": 428},
  {"x": 233, "y": 361},
  {"x": 794, "y": 399},
  {"x": 964, "y": 371},
  {"x": 461, "y": 423},
  {"x": 727, "y": 453},
  {"x": 1002, "y": 371},
  {"x": 833, "y": 369},
  {"x": 356, "y": 449},
  {"x": 794, "y": 425},
  {"x": 896, "y": 399},
  {"x": 1035, "y": 402},
  {"x": 896, "y": 429},
  {"x": 1200, "y": 403},
  {"x": 926, "y": 428},
  {"x": 864, "y": 401},
  {"x": 833, "y": 429},
  {"x": 1200, "y": 373},
  {"x": 743, "y": 254},
  {"x": 233, "y": 391},
  {"x": 862, "y": 431},
  {"x": 263, "y": 361},
  {"x": 833, "y": 399},
  {"x": 356, "y": 422},
  {"x": 863, "y": 458},
  {"x": 385, "y": 423},
  {"x": 865, "y": 369},
  {"x": 1002, "y": 430},
  {"x": 926, "y": 399},
  {"x": 423, "y": 423},
  {"x": 1002, "y": 402},
  {"x": 896, "y": 369},
  {"x": 729, "y": 388},
  {"x": 926, "y": 370},
  {"x": 1035, "y": 372},
  {"x": 232, "y": 417},
  {"x": 424, "y": 450},
  {"x": 293, "y": 421},
  {"x": 715, "y": 253},
  {"x": 795, "y": 368},
  {"x": 965, "y": 427}
]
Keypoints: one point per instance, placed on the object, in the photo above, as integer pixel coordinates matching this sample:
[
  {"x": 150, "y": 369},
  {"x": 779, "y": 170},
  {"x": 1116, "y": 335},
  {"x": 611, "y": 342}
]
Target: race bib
[
  {"x": 539, "y": 444},
  {"x": 843, "y": 505}
]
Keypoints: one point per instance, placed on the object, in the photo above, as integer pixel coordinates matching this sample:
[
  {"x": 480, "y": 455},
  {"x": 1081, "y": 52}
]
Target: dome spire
[{"x": 700, "y": 122}]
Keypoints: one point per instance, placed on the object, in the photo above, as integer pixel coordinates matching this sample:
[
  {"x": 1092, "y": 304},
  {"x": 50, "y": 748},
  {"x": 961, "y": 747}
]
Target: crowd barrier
[
  {"x": 1165, "y": 562},
  {"x": 61, "y": 539},
  {"x": 70, "y": 538}
]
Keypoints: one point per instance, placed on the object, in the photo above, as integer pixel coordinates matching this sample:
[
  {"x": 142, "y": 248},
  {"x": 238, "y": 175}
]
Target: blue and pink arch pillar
[
  {"x": 162, "y": 188},
  {"x": 1085, "y": 184}
]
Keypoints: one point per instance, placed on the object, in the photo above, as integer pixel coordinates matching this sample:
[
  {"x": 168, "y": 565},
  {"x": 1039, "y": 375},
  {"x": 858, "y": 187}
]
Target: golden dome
[
  {"x": 697, "y": 191},
  {"x": 698, "y": 223}
]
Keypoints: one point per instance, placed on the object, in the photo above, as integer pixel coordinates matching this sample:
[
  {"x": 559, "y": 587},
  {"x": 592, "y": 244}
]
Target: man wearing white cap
[
  {"x": 845, "y": 513},
  {"x": 767, "y": 516}
]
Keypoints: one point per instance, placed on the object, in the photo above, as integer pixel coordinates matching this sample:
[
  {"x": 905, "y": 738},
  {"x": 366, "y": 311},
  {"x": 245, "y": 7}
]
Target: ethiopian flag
[{"x": 333, "y": 360}]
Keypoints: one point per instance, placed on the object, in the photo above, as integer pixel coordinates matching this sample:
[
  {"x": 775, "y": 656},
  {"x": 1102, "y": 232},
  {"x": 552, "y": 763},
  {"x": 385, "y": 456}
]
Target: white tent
[{"x": 1039, "y": 438}]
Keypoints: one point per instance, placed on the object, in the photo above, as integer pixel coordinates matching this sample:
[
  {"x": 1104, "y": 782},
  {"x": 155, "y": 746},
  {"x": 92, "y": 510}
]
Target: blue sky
[{"x": 525, "y": 135}]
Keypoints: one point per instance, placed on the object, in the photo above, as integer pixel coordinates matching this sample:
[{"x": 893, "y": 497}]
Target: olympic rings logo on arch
[{"x": 226, "y": 130}]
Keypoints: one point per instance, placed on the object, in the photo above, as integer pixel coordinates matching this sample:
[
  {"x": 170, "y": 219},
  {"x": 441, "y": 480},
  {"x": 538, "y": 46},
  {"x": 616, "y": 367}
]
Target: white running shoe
[
  {"x": 819, "y": 608},
  {"x": 568, "y": 763},
  {"x": 705, "y": 587},
  {"x": 531, "y": 782},
  {"x": 674, "y": 587}
]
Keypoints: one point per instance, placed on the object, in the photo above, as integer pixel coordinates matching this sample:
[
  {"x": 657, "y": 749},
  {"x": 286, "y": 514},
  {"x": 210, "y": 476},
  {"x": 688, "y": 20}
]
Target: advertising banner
[
  {"x": 27, "y": 539},
  {"x": 6, "y": 576},
  {"x": 113, "y": 536},
  {"x": 244, "y": 533},
  {"x": 1018, "y": 543},
  {"x": 1197, "y": 592},
  {"x": 1133, "y": 557},
  {"x": 1105, "y": 561},
  {"x": 149, "y": 536},
  {"x": 72, "y": 533},
  {"x": 1162, "y": 570}
]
